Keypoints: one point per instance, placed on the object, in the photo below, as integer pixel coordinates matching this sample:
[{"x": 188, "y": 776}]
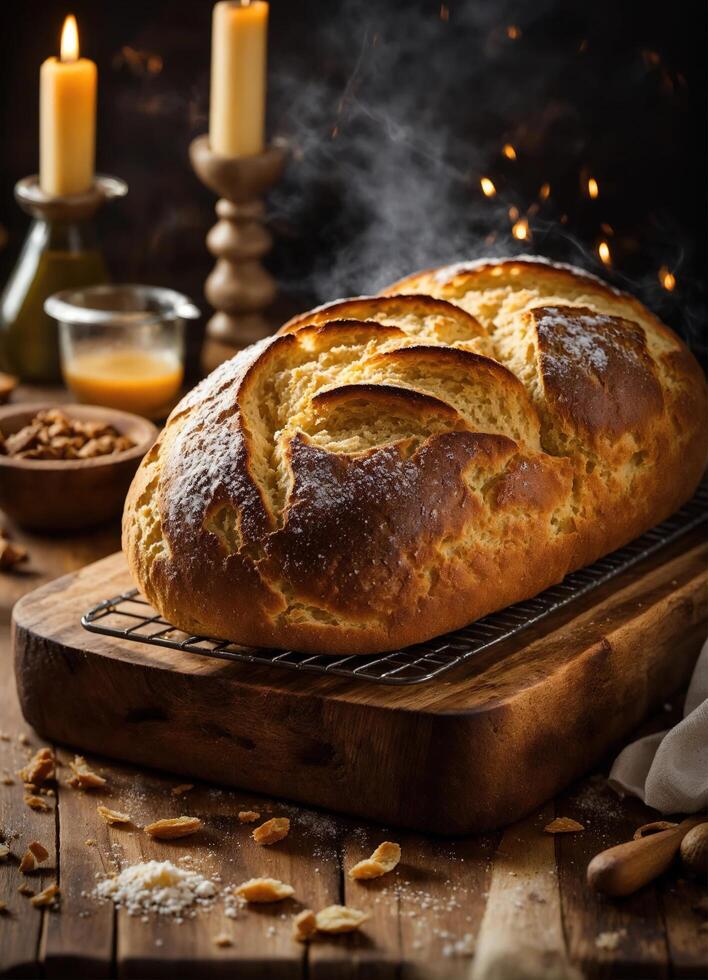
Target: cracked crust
[{"x": 387, "y": 469}]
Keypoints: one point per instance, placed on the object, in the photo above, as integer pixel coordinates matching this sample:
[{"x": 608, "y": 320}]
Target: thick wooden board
[{"x": 476, "y": 749}]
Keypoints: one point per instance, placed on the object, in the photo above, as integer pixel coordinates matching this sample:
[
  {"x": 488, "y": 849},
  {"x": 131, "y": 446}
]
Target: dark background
[{"x": 393, "y": 112}]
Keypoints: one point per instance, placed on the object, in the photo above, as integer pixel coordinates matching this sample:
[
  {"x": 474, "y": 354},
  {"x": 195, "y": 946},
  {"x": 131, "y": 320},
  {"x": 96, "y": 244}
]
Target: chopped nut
[
  {"x": 84, "y": 777},
  {"x": 45, "y": 897},
  {"x": 7, "y": 781},
  {"x": 384, "y": 859},
  {"x": 23, "y": 738},
  {"x": 304, "y": 925},
  {"x": 340, "y": 918},
  {"x": 36, "y": 803},
  {"x": 112, "y": 816},
  {"x": 27, "y": 863},
  {"x": 173, "y": 827},
  {"x": 39, "y": 851},
  {"x": 271, "y": 831},
  {"x": 25, "y": 890},
  {"x": 3, "y": 908},
  {"x": 223, "y": 940},
  {"x": 182, "y": 788},
  {"x": 563, "y": 825},
  {"x": 264, "y": 890},
  {"x": 89, "y": 842},
  {"x": 40, "y": 768},
  {"x": 53, "y": 435},
  {"x": 249, "y": 816},
  {"x": 4, "y": 851}
]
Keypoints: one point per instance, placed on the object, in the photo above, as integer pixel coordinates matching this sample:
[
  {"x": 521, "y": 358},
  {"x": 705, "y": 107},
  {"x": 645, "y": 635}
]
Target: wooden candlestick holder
[{"x": 238, "y": 288}]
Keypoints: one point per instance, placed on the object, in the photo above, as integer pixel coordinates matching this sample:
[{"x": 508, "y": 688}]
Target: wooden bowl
[{"x": 62, "y": 495}]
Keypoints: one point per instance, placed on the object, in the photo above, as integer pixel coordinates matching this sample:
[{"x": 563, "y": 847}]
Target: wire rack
[{"x": 129, "y": 617}]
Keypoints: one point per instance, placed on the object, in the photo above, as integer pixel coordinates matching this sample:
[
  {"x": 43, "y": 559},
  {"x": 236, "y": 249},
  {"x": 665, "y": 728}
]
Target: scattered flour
[{"x": 160, "y": 887}]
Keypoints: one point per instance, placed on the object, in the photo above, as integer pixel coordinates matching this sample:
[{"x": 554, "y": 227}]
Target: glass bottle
[{"x": 60, "y": 252}]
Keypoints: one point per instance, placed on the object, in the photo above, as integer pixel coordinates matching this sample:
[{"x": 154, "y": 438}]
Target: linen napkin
[{"x": 669, "y": 770}]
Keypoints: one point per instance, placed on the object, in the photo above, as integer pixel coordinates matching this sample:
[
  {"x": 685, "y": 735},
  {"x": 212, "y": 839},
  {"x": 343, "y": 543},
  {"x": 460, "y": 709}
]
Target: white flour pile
[{"x": 160, "y": 887}]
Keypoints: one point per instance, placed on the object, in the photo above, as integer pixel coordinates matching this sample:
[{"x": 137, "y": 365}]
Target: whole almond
[{"x": 694, "y": 849}]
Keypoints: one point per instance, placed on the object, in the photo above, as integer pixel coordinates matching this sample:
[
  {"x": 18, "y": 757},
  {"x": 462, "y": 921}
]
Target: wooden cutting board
[{"x": 476, "y": 748}]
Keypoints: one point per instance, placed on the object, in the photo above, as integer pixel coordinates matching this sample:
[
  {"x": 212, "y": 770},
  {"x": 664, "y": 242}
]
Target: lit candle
[
  {"x": 67, "y": 118},
  {"x": 238, "y": 78}
]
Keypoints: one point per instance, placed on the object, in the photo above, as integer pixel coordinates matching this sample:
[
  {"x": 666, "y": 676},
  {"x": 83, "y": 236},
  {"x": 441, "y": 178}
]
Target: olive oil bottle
[{"x": 60, "y": 252}]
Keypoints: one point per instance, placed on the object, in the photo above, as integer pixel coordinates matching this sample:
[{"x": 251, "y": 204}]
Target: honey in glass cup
[{"x": 123, "y": 346}]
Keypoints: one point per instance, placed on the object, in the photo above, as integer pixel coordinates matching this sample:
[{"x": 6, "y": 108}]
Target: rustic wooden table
[{"x": 511, "y": 904}]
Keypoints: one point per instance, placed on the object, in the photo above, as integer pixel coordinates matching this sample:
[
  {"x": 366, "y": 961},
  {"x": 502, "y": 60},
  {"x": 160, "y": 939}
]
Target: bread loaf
[{"x": 389, "y": 468}]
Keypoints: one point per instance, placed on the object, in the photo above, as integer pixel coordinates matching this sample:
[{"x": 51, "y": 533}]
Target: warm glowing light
[
  {"x": 593, "y": 188},
  {"x": 521, "y": 230},
  {"x": 513, "y": 213},
  {"x": 667, "y": 279},
  {"x": 488, "y": 188},
  {"x": 509, "y": 151},
  {"x": 603, "y": 250},
  {"x": 544, "y": 191},
  {"x": 69, "y": 46},
  {"x": 513, "y": 32}
]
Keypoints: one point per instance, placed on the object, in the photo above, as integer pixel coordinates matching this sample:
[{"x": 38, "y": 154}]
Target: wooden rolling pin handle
[{"x": 623, "y": 869}]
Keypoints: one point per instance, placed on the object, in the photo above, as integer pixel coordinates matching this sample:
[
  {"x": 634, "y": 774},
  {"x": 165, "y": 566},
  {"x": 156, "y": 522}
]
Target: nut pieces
[{"x": 52, "y": 435}]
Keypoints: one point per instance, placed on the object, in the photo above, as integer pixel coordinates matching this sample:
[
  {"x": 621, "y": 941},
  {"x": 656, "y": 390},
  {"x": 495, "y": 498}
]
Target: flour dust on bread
[{"x": 389, "y": 468}]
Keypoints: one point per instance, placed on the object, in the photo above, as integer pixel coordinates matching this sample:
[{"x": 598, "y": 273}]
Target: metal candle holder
[{"x": 238, "y": 288}]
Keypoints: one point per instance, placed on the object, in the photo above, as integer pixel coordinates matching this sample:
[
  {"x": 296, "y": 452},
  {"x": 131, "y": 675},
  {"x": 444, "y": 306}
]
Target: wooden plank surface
[
  {"x": 415, "y": 756},
  {"x": 498, "y": 895}
]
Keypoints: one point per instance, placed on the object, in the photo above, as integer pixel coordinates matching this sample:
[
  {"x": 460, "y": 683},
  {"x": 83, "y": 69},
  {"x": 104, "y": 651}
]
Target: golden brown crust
[{"x": 372, "y": 477}]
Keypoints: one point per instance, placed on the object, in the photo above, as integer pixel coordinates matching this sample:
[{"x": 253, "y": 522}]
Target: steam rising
[{"x": 393, "y": 126}]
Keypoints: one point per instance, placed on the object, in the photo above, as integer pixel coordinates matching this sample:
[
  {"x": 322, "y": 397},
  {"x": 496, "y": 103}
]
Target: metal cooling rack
[{"x": 129, "y": 617}]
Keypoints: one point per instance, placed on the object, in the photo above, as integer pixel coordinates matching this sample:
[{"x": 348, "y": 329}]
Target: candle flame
[
  {"x": 513, "y": 32},
  {"x": 667, "y": 279},
  {"x": 509, "y": 151},
  {"x": 544, "y": 191},
  {"x": 521, "y": 230},
  {"x": 488, "y": 188},
  {"x": 69, "y": 46},
  {"x": 593, "y": 188},
  {"x": 603, "y": 250}
]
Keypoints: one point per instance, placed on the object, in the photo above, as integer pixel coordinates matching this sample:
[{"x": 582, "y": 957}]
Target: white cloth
[{"x": 669, "y": 770}]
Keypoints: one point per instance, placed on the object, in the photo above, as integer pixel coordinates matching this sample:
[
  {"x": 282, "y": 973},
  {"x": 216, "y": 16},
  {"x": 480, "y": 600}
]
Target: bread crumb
[
  {"x": 83, "y": 776},
  {"x": 271, "y": 831},
  {"x": 112, "y": 816},
  {"x": 304, "y": 925},
  {"x": 173, "y": 827},
  {"x": 4, "y": 851},
  {"x": 249, "y": 816},
  {"x": 340, "y": 918},
  {"x": 610, "y": 940},
  {"x": 36, "y": 803},
  {"x": 223, "y": 940},
  {"x": 39, "y": 768},
  {"x": 46, "y": 896},
  {"x": 25, "y": 890},
  {"x": 260, "y": 890},
  {"x": 563, "y": 825},
  {"x": 182, "y": 788},
  {"x": 384, "y": 859}
]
